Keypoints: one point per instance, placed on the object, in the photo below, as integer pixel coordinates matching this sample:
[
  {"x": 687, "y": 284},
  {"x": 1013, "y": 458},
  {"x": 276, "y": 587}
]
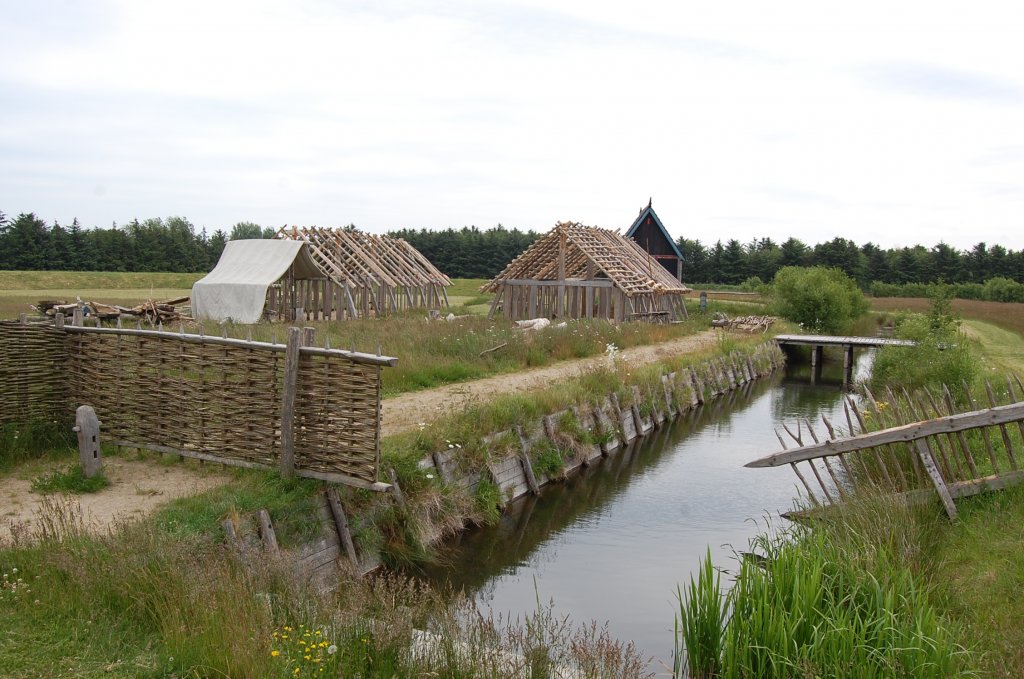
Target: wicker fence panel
[
  {"x": 160, "y": 391},
  {"x": 337, "y": 415},
  {"x": 32, "y": 381}
]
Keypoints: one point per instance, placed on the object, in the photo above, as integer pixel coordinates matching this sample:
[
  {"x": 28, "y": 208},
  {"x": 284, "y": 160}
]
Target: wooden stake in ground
[{"x": 87, "y": 426}]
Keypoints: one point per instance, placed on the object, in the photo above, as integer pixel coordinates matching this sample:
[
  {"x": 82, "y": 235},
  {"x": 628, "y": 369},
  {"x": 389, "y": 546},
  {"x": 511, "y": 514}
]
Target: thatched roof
[
  {"x": 609, "y": 254},
  {"x": 359, "y": 259}
]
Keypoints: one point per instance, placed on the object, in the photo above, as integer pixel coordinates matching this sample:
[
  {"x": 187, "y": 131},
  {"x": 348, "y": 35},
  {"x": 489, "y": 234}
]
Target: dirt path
[
  {"x": 137, "y": 488},
  {"x": 406, "y": 411}
]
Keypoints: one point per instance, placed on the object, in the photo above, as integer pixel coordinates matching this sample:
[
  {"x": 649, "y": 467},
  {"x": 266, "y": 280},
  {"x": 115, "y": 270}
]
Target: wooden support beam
[{"x": 291, "y": 378}]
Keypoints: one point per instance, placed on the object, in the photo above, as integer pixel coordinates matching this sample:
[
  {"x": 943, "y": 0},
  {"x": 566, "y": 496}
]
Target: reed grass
[{"x": 846, "y": 597}]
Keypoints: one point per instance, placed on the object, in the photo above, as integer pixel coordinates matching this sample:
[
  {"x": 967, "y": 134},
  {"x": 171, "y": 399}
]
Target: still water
[{"x": 612, "y": 542}]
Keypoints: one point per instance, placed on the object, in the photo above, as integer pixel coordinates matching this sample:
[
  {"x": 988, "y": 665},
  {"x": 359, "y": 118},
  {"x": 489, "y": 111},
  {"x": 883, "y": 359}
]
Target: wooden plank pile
[
  {"x": 151, "y": 311},
  {"x": 744, "y": 323}
]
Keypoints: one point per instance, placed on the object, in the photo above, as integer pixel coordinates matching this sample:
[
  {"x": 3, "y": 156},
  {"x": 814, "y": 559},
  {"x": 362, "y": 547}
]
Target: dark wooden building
[{"x": 652, "y": 236}]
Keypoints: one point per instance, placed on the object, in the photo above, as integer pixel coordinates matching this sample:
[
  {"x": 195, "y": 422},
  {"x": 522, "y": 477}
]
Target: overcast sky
[{"x": 892, "y": 122}]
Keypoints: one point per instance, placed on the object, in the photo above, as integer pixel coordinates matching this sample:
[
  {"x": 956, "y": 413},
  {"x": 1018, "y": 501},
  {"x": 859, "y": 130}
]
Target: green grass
[
  {"x": 148, "y": 603},
  {"x": 1003, "y": 350},
  {"x": 20, "y": 442},
  {"x": 69, "y": 480},
  {"x": 434, "y": 353},
  {"x": 979, "y": 577},
  {"x": 849, "y": 597}
]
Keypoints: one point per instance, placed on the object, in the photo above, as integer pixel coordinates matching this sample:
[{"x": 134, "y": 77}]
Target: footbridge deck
[
  {"x": 848, "y": 343},
  {"x": 834, "y": 340}
]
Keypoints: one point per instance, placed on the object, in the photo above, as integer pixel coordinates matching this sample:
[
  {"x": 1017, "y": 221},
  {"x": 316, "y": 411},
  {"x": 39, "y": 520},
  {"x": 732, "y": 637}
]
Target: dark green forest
[{"x": 174, "y": 244}]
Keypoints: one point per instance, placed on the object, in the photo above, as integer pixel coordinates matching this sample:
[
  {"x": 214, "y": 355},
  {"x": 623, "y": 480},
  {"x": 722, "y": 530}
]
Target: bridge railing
[{"x": 957, "y": 448}]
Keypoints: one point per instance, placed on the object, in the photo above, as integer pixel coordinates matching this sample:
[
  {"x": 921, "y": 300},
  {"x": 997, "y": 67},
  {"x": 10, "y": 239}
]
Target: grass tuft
[{"x": 69, "y": 480}]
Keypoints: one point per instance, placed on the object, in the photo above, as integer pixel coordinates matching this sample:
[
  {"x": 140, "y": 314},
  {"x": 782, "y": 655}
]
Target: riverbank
[{"x": 164, "y": 596}]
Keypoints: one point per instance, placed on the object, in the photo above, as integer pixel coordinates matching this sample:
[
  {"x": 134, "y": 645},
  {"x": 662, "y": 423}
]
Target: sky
[{"x": 898, "y": 123}]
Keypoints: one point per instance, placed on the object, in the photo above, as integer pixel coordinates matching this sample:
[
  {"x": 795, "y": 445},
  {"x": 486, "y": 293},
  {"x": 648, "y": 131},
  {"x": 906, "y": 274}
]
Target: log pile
[
  {"x": 151, "y": 311},
  {"x": 744, "y": 323}
]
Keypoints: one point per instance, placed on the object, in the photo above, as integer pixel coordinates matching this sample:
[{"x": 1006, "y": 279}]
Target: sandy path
[
  {"x": 406, "y": 411},
  {"x": 137, "y": 488}
]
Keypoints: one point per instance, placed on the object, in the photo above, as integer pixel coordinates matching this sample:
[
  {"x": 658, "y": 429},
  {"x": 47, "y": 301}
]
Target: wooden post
[
  {"x": 77, "y": 319},
  {"x": 936, "y": 477},
  {"x": 524, "y": 459},
  {"x": 267, "y": 531},
  {"x": 58, "y": 321},
  {"x": 291, "y": 380},
  {"x": 560, "y": 302},
  {"x": 341, "y": 523},
  {"x": 87, "y": 426},
  {"x": 397, "y": 490}
]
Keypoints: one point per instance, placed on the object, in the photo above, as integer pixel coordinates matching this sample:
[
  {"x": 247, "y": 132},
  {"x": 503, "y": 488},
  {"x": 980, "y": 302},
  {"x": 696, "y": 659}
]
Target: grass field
[
  {"x": 1006, "y": 315},
  {"x": 20, "y": 289}
]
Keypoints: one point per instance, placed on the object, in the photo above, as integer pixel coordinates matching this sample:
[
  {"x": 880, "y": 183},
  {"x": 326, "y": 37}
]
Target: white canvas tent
[{"x": 237, "y": 287}]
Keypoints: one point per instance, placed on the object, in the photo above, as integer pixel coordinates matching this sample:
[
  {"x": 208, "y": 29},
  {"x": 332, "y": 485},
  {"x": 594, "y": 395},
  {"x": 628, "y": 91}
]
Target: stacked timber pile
[
  {"x": 745, "y": 323},
  {"x": 151, "y": 310}
]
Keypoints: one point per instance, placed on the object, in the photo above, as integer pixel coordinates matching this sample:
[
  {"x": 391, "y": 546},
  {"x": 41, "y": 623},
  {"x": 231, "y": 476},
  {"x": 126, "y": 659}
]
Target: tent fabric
[{"x": 236, "y": 289}]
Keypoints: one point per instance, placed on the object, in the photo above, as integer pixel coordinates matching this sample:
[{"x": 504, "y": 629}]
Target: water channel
[{"x": 612, "y": 542}]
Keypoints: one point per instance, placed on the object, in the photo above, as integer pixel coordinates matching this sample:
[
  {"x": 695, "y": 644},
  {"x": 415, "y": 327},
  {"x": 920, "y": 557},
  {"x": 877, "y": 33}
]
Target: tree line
[{"x": 174, "y": 244}]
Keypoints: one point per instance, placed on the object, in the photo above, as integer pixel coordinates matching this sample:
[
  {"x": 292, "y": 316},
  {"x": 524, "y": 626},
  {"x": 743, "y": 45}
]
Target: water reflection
[{"x": 612, "y": 542}]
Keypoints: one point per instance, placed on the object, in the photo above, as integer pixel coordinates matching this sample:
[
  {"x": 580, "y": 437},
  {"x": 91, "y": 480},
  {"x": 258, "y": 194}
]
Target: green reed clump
[{"x": 840, "y": 599}]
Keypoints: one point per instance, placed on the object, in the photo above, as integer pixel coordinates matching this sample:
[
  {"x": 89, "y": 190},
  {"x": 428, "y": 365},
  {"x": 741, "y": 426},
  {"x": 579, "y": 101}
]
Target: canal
[{"x": 612, "y": 542}]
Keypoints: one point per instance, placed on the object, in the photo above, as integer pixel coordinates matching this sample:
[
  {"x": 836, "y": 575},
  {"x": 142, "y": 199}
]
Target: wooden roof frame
[
  {"x": 574, "y": 251},
  {"x": 358, "y": 258}
]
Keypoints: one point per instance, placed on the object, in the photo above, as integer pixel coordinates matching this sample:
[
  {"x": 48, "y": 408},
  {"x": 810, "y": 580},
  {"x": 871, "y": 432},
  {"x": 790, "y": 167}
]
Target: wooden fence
[
  {"x": 309, "y": 411},
  {"x": 959, "y": 449},
  {"x": 32, "y": 380}
]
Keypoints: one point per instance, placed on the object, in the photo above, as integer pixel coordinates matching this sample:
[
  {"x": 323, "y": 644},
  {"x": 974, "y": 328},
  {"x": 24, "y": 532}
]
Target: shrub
[
  {"x": 942, "y": 355},
  {"x": 819, "y": 299}
]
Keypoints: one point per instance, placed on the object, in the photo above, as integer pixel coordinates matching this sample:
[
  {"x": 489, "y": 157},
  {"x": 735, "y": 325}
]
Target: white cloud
[{"x": 891, "y": 123}]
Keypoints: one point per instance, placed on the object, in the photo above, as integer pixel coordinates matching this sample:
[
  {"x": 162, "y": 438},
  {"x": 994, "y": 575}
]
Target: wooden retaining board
[
  {"x": 509, "y": 476},
  {"x": 606, "y": 423},
  {"x": 585, "y": 417}
]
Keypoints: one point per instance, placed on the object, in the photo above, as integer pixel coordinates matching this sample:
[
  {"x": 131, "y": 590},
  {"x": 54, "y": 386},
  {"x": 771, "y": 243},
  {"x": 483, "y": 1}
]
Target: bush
[
  {"x": 942, "y": 355},
  {"x": 819, "y": 299}
]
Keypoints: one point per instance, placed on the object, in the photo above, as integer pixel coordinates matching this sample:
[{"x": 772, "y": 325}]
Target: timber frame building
[
  {"x": 578, "y": 271},
  {"x": 652, "y": 236},
  {"x": 363, "y": 275}
]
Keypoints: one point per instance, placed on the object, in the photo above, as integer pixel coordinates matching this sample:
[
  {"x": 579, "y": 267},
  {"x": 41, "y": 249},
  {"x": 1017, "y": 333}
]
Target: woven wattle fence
[
  {"x": 308, "y": 411},
  {"x": 33, "y": 386}
]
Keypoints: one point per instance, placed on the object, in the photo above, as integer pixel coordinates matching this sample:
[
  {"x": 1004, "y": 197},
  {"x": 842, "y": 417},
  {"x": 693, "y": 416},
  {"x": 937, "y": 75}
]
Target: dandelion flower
[
  {"x": 275, "y": 653},
  {"x": 332, "y": 649}
]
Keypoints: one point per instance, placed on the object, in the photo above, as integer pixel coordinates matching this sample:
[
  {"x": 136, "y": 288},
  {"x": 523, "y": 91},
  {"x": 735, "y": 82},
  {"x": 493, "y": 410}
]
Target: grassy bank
[
  {"x": 876, "y": 587},
  {"x": 147, "y": 602},
  {"x": 166, "y": 597}
]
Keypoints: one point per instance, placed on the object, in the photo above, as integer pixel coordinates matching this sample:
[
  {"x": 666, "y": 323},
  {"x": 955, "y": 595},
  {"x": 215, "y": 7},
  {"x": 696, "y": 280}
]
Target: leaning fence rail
[
  {"x": 308, "y": 411},
  {"x": 930, "y": 445}
]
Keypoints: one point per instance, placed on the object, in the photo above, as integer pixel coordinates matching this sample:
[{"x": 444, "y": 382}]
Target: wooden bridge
[{"x": 848, "y": 343}]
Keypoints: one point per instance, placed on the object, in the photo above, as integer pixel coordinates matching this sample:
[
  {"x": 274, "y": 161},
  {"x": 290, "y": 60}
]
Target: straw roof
[
  {"x": 611, "y": 255},
  {"x": 360, "y": 259}
]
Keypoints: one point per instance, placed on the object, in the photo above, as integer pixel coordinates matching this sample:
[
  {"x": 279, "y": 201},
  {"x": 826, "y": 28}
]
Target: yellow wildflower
[{"x": 275, "y": 653}]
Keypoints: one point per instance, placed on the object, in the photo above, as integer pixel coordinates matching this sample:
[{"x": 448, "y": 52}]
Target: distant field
[{"x": 1006, "y": 315}]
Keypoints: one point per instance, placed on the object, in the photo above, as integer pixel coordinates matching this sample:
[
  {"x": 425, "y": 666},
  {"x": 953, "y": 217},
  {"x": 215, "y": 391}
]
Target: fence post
[
  {"x": 291, "y": 380},
  {"x": 933, "y": 472},
  {"x": 87, "y": 426}
]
